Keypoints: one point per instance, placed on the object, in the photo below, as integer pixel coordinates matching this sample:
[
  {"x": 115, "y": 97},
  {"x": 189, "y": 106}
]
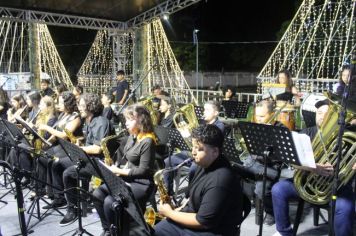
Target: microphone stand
[{"x": 342, "y": 123}]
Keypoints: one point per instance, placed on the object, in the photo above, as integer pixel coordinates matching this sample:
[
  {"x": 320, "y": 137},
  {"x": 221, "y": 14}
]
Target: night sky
[{"x": 217, "y": 21}]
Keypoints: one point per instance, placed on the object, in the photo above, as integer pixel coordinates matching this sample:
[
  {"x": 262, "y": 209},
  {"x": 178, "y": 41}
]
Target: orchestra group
[{"x": 214, "y": 201}]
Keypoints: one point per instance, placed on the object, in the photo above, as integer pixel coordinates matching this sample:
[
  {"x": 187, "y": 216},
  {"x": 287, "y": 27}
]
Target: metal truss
[
  {"x": 60, "y": 19},
  {"x": 167, "y": 7}
]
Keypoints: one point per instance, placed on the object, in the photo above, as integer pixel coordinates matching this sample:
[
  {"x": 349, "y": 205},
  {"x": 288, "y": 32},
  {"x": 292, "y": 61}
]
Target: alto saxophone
[
  {"x": 70, "y": 136},
  {"x": 150, "y": 215}
]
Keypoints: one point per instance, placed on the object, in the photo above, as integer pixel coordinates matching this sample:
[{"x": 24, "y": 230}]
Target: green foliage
[{"x": 186, "y": 56}]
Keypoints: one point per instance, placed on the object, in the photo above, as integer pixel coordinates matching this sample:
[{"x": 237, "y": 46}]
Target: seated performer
[
  {"x": 96, "y": 128},
  {"x": 263, "y": 115},
  {"x": 46, "y": 90},
  {"x": 33, "y": 100},
  {"x": 343, "y": 82},
  {"x": 211, "y": 113},
  {"x": 68, "y": 120},
  {"x": 106, "y": 100},
  {"x": 77, "y": 91},
  {"x": 167, "y": 112},
  {"x": 140, "y": 155},
  {"x": 229, "y": 94},
  {"x": 18, "y": 108},
  {"x": 284, "y": 77},
  {"x": 215, "y": 194},
  {"x": 284, "y": 190}
]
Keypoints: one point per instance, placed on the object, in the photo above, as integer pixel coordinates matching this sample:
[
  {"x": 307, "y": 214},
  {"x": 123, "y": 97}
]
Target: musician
[
  {"x": 33, "y": 100},
  {"x": 167, "y": 111},
  {"x": 121, "y": 91},
  {"x": 46, "y": 90},
  {"x": 285, "y": 77},
  {"x": 77, "y": 91},
  {"x": 4, "y": 103},
  {"x": 158, "y": 91},
  {"x": 215, "y": 195},
  {"x": 69, "y": 119},
  {"x": 229, "y": 94},
  {"x": 138, "y": 173},
  {"x": 18, "y": 107},
  {"x": 59, "y": 90},
  {"x": 211, "y": 113},
  {"x": 343, "y": 82},
  {"x": 96, "y": 128},
  {"x": 284, "y": 190},
  {"x": 106, "y": 100},
  {"x": 264, "y": 115}
]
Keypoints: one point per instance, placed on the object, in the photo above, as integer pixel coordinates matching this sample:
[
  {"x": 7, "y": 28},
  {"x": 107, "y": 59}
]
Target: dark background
[{"x": 233, "y": 35}]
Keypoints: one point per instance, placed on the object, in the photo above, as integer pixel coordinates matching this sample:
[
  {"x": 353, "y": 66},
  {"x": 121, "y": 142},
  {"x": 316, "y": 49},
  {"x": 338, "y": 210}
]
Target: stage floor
[{"x": 49, "y": 226}]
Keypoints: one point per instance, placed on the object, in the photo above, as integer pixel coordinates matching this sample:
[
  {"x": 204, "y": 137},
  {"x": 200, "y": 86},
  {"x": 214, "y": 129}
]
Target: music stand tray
[
  {"x": 32, "y": 131},
  {"x": 176, "y": 140},
  {"x": 15, "y": 133},
  {"x": 235, "y": 109}
]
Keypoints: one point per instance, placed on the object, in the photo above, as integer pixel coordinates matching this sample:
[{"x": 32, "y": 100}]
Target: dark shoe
[
  {"x": 56, "y": 203},
  {"x": 69, "y": 218},
  {"x": 269, "y": 220}
]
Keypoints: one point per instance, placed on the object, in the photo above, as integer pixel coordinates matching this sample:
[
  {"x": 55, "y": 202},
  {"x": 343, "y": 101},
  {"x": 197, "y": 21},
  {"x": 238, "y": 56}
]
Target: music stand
[
  {"x": 119, "y": 190},
  {"x": 235, "y": 109},
  {"x": 199, "y": 112},
  {"x": 32, "y": 131},
  {"x": 271, "y": 142},
  {"x": 79, "y": 157},
  {"x": 176, "y": 140},
  {"x": 230, "y": 152}
]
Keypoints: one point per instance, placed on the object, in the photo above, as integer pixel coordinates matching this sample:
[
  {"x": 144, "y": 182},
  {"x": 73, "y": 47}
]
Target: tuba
[
  {"x": 317, "y": 189},
  {"x": 185, "y": 120},
  {"x": 154, "y": 113},
  {"x": 150, "y": 215}
]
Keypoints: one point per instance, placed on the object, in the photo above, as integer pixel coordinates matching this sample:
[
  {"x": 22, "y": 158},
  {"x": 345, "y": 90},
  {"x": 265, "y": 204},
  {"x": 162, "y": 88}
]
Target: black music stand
[
  {"x": 235, "y": 109},
  {"x": 32, "y": 131},
  {"x": 230, "y": 152},
  {"x": 271, "y": 142},
  {"x": 176, "y": 140},
  {"x": 125, "y": 200},
  {"x": 80, "y": 158},
  {"x": 199, "y": 112}
]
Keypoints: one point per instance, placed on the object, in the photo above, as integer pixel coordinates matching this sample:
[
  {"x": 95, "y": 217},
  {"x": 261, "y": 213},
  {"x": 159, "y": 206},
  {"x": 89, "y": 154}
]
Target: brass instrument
[
  {"x": 154, "y": 113},
  {"x": 315, "y": 188},
  {"x": 70, "y": 136},
  {"x": 185, "y": 120},
  {"x": 150, "y": 215}
]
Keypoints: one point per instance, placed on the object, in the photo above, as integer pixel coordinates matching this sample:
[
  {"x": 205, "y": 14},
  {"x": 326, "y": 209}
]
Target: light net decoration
[
  {"x": 15, "y": 52},
  {"x": 111, "y": 51},
  {"x": 317, "y": 43},
  {"x": 163, "y": 67}
]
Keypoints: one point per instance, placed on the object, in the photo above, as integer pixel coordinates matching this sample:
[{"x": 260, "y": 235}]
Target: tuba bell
[{"x": 315, "y": 188}]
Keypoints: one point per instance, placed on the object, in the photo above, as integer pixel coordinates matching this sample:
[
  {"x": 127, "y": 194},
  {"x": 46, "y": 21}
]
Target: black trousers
[
  {"x": 20, "y": 159},
  {"x": 103, "y": 201}
]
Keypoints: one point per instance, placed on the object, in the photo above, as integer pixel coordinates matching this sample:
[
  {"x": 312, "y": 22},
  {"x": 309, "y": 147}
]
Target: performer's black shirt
[
  {"x": 140, "y": 157},
  {"x": 167, "y": 122},
  {"x": 98, "y": 128},
  {"x": 286, "y": 96},
  {"x": 107, "y": 113},
  {"x": 216, "y": 197},
  {"x": 120, "y": 89},
  {"x": 47, "y": 92},
  {"x": 311, "y": 132}
]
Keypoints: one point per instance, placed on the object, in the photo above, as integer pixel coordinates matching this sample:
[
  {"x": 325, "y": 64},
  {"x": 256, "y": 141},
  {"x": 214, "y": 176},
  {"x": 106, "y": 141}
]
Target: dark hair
[
  {"x": 229, "y": 88},
  {"x": 120, "y": 72},
  {"x": 4, "y": 98},
  {"x": 344, "y": 67},
  {"x": 45, "y": 81},
  {"x": 70, "y": 103},
  {"x": 79, "y": 88},
  {"x": 61, "y": 88},
  {"x": 19, "y": 98},
  {"x": 288, "y": 75},
  {"x": 110, "y": 96},
  {"x": 93, "y": 103},
  {"x": 210, "y": 135},
  {"x": 156, "y": 86},
  {"x": 214, "y": 104},
  {"x": 142, "y": 115},
  {"x": 35, "y": 97}
]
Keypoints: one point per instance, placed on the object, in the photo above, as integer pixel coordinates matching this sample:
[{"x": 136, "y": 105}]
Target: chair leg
[
  {"x": 316, "y": 212},
  {"x": 298, "y": 216}
]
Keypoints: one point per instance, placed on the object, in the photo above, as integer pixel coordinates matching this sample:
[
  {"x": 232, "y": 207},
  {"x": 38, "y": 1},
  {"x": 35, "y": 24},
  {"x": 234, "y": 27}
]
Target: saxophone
[
  {"x": 150, "y": 215},
  {"x": 70, "y": 136}
]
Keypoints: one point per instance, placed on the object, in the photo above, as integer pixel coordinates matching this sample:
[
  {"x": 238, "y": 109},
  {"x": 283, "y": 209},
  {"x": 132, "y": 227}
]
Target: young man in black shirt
[
  {"x": 95, "y": 129},
  {"x": 45, "y": 88},
  {"x": 215, "y": 195},
  {"x": 121, "y": 91}
]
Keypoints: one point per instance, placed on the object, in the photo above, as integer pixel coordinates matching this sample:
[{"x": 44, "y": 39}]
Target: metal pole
[{"x": 196, "y": 42}]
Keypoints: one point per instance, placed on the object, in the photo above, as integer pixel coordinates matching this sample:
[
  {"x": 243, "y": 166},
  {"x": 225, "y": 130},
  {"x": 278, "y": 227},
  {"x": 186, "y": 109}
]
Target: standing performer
[
  {"x": 138, "y": 173},
  {"x": 121, "y": 91},
  {"x": 46, "y": 90},
  {"x": 284, "y": 77},
  {"x": 215, "y": 194}
]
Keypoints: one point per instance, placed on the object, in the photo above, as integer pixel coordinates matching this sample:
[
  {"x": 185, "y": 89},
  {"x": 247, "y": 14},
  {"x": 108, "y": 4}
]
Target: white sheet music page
[{"x": 304, "y": 149}]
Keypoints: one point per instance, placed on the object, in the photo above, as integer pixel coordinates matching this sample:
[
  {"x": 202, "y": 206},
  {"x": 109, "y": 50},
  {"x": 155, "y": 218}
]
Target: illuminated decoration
[
  {"x": 317, "y": 43},
  {"x": 163, "y": 67},
  {"x": 111, "y": 51},
  {"x": 15, "y": 53}
]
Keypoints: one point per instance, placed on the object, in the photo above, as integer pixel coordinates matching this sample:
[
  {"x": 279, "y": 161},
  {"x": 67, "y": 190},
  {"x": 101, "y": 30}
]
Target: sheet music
[{"x": 304, "y": 149}]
